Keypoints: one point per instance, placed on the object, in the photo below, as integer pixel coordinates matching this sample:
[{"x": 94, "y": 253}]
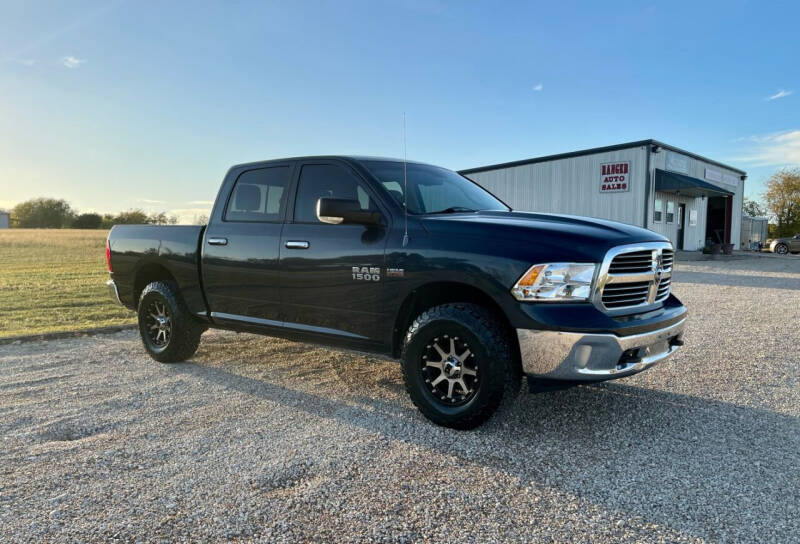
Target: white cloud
[
  {"x": 776, "y": 149},
  {"x": 780, "y": 94},
  {"x": 148, "y": 201},
  {"x": 538, "y": 87},
  {"x": 201, "y": 202},
  {"x": 72, "y": 62}
]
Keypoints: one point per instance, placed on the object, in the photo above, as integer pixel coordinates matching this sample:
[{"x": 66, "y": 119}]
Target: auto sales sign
[{"x": 615, "y": 177}]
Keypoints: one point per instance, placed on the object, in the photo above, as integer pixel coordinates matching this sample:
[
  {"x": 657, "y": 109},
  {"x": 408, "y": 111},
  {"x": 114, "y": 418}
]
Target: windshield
[{"x": 432, "y": 189}]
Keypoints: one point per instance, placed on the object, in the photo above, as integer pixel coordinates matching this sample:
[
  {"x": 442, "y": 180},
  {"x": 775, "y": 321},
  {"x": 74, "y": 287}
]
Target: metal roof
[
  {"x": 687, "y": 185},
  {"x": 594, "y": 150}
]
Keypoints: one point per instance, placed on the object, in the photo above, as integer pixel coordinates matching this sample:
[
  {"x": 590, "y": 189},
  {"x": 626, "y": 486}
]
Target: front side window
[
  {"x": 658, "y": 210},
  {"x": 670, "y": 211},
  {"x": 259, "y": 195},
  {"x": 432, "y": 189},
  {"x": 326, "y": 180}
]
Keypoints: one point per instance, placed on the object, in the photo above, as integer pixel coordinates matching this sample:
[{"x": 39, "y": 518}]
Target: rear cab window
[{"x": 259, "y": 195}]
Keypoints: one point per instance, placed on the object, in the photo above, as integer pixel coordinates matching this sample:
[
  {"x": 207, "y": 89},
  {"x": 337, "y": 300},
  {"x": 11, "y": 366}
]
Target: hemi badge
[{"x": 395, "y": 272}]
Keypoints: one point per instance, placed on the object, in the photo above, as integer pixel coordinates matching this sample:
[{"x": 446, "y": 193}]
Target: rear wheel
[
  {"x": 458, "y": 365},
  {"x": 781, "y": 249},
  {"x": 169, "y": 332}
]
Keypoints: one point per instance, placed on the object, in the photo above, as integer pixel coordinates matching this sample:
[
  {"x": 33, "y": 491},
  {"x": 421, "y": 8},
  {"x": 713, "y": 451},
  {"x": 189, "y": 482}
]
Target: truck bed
[{"x": 172, "y": 252}]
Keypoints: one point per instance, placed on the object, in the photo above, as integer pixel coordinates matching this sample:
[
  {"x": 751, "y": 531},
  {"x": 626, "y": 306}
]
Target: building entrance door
[{"x": 681, "y": 225}]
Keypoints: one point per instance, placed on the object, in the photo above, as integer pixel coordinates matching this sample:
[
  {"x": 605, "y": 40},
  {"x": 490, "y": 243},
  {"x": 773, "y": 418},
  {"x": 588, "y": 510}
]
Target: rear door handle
[
  {"x": 297, "y": 244},
  {"x": 218, "y": 241}
]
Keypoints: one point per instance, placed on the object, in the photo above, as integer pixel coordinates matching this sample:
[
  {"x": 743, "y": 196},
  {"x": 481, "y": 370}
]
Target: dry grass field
[{"x": 54, "y": 280}]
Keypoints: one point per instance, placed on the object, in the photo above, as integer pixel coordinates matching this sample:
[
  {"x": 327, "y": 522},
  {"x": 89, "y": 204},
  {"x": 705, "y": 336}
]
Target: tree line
[
  {"x": 781, "y": 205},
  {"x": 52, "y": 213},
  {"x": 783, "y": 202}
]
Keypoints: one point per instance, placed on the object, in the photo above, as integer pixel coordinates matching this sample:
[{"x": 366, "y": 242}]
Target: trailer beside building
[
  {"x": 691, "y": 199},
  {"x": 754, "y": 231}
]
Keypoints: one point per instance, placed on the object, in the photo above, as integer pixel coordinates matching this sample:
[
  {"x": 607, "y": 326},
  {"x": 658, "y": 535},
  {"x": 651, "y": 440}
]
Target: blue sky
[{"x": 115, "y": 105}]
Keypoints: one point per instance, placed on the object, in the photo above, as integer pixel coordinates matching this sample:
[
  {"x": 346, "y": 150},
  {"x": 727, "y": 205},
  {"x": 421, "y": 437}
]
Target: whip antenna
[{"x": 405, "y": 184}]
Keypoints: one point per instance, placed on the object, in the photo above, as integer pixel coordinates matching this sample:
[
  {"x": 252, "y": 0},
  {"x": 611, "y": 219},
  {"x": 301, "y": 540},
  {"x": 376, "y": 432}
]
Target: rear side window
[
  {"x": 259, "y": 195},
  {"x": 326, "y": 180}
]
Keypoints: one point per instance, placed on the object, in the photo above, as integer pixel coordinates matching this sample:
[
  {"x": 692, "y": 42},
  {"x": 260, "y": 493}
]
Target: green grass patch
[{"x": 54, "y": 280}]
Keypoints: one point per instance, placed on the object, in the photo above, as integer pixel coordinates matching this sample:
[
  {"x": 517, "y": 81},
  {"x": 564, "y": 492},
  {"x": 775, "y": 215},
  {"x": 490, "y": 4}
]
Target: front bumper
[
  {"x": 112, "y": 290},
  {"x": 592, "y": 357}
]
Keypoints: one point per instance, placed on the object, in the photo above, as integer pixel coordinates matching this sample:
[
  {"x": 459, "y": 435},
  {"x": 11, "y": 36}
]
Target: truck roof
[{"x": 354, "y": 158}]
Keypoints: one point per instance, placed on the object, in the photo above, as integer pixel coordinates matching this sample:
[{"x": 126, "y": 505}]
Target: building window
[
  {"x": 670, "y": 211},
  {"x": 658, "y": 210}
]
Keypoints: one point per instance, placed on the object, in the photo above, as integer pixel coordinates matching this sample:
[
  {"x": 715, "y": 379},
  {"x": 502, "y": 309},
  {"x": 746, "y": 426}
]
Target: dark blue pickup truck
[{"x": 412, "y": 261}]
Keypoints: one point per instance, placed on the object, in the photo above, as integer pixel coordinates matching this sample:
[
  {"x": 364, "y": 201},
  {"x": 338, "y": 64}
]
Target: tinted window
[
  {"x": 326, "y": 180},
  {"x": 432, "y": 189},
  {"x": 259, "y": 195}
]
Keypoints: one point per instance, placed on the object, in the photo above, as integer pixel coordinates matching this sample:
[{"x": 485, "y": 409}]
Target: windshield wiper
[{"x": 455, "y": 209}]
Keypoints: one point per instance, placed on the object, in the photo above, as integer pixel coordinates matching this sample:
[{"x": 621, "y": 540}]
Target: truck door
[
  {"x": 332, "y": 275},
  {"x": 241, "y": 247}
]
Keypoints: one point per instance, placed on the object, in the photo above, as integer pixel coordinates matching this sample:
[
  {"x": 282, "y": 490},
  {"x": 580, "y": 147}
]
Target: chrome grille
[
  {"x": 637, "y": 276},
  {"x": 636, "y": 261},
  {"x": 667, "y": 257},
  {"x": 620, "y": 295},
  {"x": 663, "y": 289}
]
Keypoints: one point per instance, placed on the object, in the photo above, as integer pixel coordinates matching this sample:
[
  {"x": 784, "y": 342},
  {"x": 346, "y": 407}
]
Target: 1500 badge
[{"x": 366, "y": 273}]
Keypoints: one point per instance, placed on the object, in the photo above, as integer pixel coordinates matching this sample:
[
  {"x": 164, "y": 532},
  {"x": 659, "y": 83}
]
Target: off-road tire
[
  {"x": 499, "y": 372},
  {"x": 185, "y": 329}
]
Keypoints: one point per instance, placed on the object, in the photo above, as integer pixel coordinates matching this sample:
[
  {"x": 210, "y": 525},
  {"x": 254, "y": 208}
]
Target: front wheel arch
[{"x": 437, "y": 293}]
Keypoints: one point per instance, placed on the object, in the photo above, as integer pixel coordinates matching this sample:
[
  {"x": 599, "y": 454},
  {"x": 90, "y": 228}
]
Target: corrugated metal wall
[
  {"x": 571, "y": 186},
  {"x": 695, "y": 237}
]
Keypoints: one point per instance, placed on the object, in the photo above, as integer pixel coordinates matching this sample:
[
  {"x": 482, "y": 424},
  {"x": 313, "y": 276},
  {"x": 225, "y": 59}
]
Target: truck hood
[{"x": 580, "y": 234}]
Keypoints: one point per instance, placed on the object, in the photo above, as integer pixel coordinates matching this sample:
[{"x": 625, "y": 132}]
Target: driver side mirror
[{"x": 337, "y": 211}]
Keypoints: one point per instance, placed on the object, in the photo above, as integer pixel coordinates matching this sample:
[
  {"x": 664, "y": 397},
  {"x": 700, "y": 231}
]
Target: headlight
[{"x": 556, "y": 282}]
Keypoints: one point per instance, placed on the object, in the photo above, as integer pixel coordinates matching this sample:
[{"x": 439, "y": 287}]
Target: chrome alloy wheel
[
  {"x": 159, "y": 323},
  {"x": 450, "y": 370}
]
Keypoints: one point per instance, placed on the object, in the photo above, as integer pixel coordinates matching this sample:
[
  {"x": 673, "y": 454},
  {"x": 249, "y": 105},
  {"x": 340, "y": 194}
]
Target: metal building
[
  {"x": 692, "y": 200},
  {"x": 4, "y": 219}
]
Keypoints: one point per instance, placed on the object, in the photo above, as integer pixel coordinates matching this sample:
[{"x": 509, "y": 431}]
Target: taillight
[{"x": 108, "y": 256}]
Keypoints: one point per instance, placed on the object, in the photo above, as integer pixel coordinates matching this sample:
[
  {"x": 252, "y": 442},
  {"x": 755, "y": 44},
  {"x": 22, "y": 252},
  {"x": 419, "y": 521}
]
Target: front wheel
[
  {"x": 458, "y": 365},
  {"x": 781, "y": 249},
  {"x": 169, "y": 332}
]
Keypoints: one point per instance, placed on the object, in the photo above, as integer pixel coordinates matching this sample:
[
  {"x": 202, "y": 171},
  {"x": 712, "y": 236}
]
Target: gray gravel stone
[{"x": 268, "y": 440}]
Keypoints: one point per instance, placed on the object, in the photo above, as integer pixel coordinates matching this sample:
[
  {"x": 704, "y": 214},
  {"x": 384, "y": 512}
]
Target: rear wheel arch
[
  {"x": 437, "y": 293},
  {"x": 147, "y": 274}
]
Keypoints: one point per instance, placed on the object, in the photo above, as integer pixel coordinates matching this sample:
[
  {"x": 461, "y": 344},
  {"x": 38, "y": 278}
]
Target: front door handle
[
  {"x": 218, "y": 241},
  {"x": 297, "y": 244}
]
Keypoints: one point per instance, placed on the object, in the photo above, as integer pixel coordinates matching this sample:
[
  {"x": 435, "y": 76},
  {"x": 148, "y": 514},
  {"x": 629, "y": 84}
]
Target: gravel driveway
[{"x": 271, "y": 440}]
